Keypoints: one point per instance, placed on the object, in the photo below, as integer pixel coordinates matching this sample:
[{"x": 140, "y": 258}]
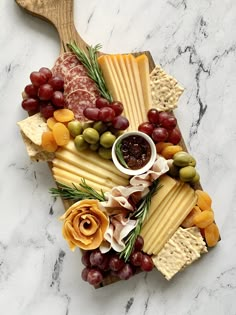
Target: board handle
[{"x": 60, "y": 13}]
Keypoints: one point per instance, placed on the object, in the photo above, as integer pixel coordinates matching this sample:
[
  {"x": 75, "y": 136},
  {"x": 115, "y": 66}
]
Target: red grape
[
  {"x": 117, "y": 107},
  {"x": 163, "y": 116},
  {"x": 85, "y": 259},
  {"x": 146, "y": 127},
  {"x": 138, "y": 245},
  {"x": 92, "y": 113},
  {"x": 58, "y": 99},
  {"x": 45, "y": 92},
  {"x": 94, "y": 277},
  {"x": 31, "y": 90},
  {"x": 47, "y": 72},
  {"x": 159, "y": 134},
  {"x": 106, "y": 114},
  {"x": 102, "y": 102},
  {"x": 136, "y": 258},
  {"x": 47, "y": 110},
  {"x": 174, "y": 136},
  {"x": 120, "y": 122},
  {"x": 30, "y": 104},
  {"x": 96, "y": 257},
  {"x": 169, "y": 123},
  {"x": 116, "y": 263},
  {"x": 104, "y": 266},
  {"x": 126, "y": 272},
  {"x": 57, "y": 83},
  {"x": 38, "y": 78},
  {"x": 147, "y": 263},
  {"x": 153, "y": 116},
  {"x": 84, "y": 273}
]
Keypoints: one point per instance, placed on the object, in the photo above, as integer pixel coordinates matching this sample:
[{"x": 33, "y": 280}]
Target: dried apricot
[
  {"x": 61, "y": 134},
  {"x": 203, "y": 219},
  {"x": 204, "y": 200},
  {"x": 51, "y": 122},
  {"x": 161, "y": 145},
  {"x": 48, "y": 142},
  {"x": 169, "y": 151},
  {"x": 212, "y": 234},
  {"x": 63, "y": 115},
  {"x": 188, "y": 221}
]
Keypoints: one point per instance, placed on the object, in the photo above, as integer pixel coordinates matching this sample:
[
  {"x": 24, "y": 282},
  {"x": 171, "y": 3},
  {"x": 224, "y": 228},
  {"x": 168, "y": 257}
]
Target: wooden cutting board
[{"x": 60, "y": 13}]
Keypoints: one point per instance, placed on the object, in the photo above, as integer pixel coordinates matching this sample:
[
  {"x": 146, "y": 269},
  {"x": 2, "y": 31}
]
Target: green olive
[
  {"x": 104, "y": 153},
  {"x": 187, "y": 173},
  {"x": 87, "y": 124},
  {"x": 182, "y": 159},
  {"x": 173, "y": 171},
  {"x": 195, "y": 179},
  {"x": 192, "y": 161},
  {"x": 100, "y": 126},
  {"x": 91, "y": 135},
  {"x": 94, "y": 146},
  {"x": 75, "y": 128},
  {"x": 80, "y": 143},
  {"x": 107, "y": 139}
]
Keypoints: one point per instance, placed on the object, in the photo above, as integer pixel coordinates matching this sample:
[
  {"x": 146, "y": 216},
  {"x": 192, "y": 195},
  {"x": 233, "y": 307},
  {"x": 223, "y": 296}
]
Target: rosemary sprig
[
  {"x": 75, "y": 193},
  {"x": 119, "y": 154},
  {"x": 89, "y": 60},
  {"x": 139, "y": 215}
]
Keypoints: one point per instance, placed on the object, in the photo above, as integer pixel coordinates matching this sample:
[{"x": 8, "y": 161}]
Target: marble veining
[{"x": 195, "y": 42}]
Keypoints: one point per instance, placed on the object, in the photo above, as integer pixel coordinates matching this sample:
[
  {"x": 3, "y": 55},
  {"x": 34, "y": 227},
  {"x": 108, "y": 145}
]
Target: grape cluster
[
  {"x": 44, "y": 94},
  {"x": 98, "y": 265},
  {"x": 161, "y": 127},
  {"x": 107, "y": 112}
]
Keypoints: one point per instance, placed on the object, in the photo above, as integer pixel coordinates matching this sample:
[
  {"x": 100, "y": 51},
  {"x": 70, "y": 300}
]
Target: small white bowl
[{"x": 147, "y": 166}]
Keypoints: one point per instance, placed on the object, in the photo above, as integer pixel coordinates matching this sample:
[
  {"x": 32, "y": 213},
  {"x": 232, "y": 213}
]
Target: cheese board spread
[{"x": 106, "y": 126}]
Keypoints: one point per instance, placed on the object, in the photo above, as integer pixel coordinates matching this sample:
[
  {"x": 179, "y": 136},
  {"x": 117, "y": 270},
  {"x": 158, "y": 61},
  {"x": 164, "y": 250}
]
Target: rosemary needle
[{"x": 89, "y": 61}]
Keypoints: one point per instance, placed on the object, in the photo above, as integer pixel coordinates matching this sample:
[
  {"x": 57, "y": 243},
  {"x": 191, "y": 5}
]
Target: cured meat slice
[
  {"x": 62, "y": 57},
  {"x": 78, "y": 70},
  {"x": 78, "y": 100},
  {"x": 83, "y": 83},
  {"x": 68, "y": 63}
]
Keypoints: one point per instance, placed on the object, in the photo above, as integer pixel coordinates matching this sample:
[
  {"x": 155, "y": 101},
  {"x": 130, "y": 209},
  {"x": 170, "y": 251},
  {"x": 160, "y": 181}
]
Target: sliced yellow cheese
[
  {"x": 167, "y": 217},
  {"x": 125, "y": 98},
  {"x": 149, "y": 230},
  {"x": 101, "y": 179},
  {"x": 75, "y": 179},
  {"x": 108, "y": 76},
  {"x": 93, "y": 158},
  {"x": 172, "y": 221},
  {"x": 144, "y": 73},
  {"x": 167, "y": 183}
]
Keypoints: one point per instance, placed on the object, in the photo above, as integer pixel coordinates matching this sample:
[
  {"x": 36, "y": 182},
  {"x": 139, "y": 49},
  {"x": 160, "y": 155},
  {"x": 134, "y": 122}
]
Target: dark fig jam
[{"x": 136, "y": 151}]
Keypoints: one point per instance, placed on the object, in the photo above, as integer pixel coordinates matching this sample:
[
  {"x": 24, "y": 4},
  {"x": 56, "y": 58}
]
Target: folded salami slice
[
  {"x": 78, "y": 70},
  {"x": 62, "y": 68},
  {"x": 81, "y": 83},
  {"x": 78, "y": 100}
]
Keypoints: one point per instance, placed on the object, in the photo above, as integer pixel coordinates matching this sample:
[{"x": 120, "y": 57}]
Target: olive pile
[
  {"x": 96, "y": 136},
  {"x": 184, "y": 167}
]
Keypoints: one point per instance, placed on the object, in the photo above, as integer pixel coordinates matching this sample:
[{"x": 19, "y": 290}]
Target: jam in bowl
[{"x": 134, "y": 153}]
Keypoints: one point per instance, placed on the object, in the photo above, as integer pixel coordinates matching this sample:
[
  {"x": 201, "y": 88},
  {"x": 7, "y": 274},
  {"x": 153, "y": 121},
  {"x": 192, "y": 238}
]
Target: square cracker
[
  {"x": 33, "y": 127},
  {"x": 183, "y": 248}
]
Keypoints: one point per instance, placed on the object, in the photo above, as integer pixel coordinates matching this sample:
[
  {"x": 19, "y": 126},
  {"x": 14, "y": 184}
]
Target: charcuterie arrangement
[{"x": 106, "y": 126}]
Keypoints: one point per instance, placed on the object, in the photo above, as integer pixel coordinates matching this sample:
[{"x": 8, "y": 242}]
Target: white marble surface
[{"x": 194, "y": 41}]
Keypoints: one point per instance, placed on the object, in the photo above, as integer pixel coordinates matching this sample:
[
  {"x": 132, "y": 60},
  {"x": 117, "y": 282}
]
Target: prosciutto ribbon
[
  {"x": 138, "y": 188},
  {"x": 119, "y": 228}
]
